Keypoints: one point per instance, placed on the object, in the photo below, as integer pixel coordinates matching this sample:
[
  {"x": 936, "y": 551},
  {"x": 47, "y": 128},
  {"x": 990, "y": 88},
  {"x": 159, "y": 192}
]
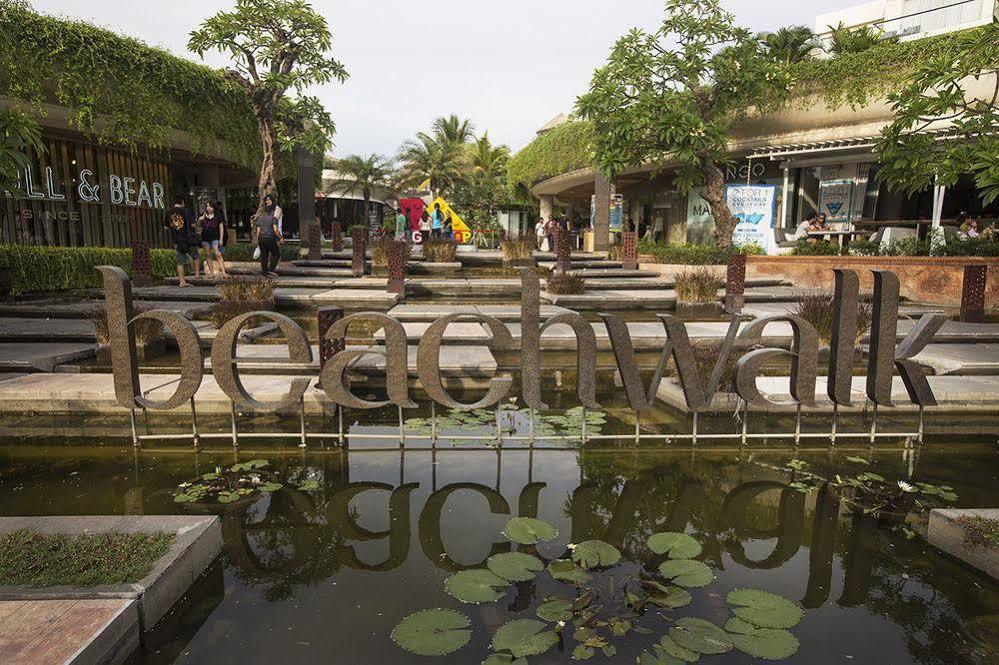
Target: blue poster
[{"x": 755, "y": 207}]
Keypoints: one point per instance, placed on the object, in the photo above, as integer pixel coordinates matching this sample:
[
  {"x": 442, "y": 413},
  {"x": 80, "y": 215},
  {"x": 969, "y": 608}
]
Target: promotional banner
[
  {"x": 412, "y": 208},
  {"x": 835, "y": 200},
  {"x": 462, "y": 233},
  {"x": 755, "y": 208}
]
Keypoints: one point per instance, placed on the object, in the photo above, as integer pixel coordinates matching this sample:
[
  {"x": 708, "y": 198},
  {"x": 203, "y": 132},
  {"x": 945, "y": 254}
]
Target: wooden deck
[{"x": 54, "y": 632}]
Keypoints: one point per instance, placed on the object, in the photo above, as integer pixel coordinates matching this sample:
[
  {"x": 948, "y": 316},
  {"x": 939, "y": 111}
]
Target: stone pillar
[
  {"x": 547, "y": 206},
  {"x": 629, "y": 243},
  {"x": 305, "y": 165},
  {"x": 328, "y": 315},
  {"x": 397, "y": 267},
  {"x": 359, "y": 238},
  {"x": 336, "y": 231},
  {"x": 563, "y": 250},
  {"x": 973, "y": 294},
  {"x": 601, "y": 222},
  {"x": 315, "y": 242},
  {"x": 735, "y": 284},
  {"x": 142, "y": 272}
]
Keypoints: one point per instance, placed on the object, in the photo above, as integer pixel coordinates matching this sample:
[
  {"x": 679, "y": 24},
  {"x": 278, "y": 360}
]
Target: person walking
[
  {"x": 181, "y": 224},
  {"x": 436, "y": 220},
  {"x": 269, "y": 238},
  {"x": 551, "y": 228},
  {"x": 540, "y": 234},
  {"x": 400, "y": 224},
  {"x": 212, "y": 231},
  {"x": 271, "y": 205}
]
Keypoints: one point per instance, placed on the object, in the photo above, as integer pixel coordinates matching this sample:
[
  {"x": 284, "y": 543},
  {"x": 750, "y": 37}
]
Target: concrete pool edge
[{"x": 946, "y": 533}]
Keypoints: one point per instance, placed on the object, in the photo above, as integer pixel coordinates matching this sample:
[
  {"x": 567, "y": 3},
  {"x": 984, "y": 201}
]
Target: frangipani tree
[
  {"x": 277, "y": 46},
  {"x": 670, "y": 97}
]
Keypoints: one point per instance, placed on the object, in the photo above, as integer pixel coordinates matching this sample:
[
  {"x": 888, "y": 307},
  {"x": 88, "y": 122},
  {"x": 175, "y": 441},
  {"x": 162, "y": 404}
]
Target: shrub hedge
[
  {"x": 692, "y": 254},
  {"x": 243, "y": 251},
  {"x": 37, "y": 269}
]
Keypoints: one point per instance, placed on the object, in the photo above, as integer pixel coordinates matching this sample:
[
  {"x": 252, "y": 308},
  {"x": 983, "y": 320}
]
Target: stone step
[
  {"x": 430, "y": 312},
  {"x": 42, "y": 356}
]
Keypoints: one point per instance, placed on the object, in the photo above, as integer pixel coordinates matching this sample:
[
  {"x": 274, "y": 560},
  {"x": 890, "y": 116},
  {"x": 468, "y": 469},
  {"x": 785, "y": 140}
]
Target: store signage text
[{"x": 125, "y": 191}]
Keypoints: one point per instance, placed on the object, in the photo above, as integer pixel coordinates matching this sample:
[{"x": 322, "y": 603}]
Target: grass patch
[
  {"x": 817, "y": 309},
  {"x": 564, "y": 283},
  {"x": 146, "y": 330},
  {"x": 29, "y": 558},
  {"x": 979, "y": 531},
  {"x": 517, "y": 249},
  {"x": 698, "y": 285},
  {"x": 439, "y": 250}
]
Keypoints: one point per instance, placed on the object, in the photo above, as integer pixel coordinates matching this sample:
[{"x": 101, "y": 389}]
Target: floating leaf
[
  {"x": 524, "y": 637},
  {"x": 270, "y": 487},
  {"x": 765, "y": 643},
  {"x": 595, "y": 554},
  {"x": 668, "y": 645},
  {"x": 503, "y": 659},
  {"x": 228, "y": 497},
  {"x": 567, "y": 571},
  {"x": 646, "y": 658},
  {"x": 700, "y": 635},
  {"x": 583, "y": 652},
  {"x": 477, "y": 585},
  {"x": 248, "y": 466},
  {"x": 674, "y": 598},
  {"x": 529, "y": 531},
  {"x": 857, "y": 460},
  {"x": 309, "y": 485},
  {"x": 515, "y": 566},
  {"x": 674, "y": 544},
  {"x": 555, "y": 610},
  {"x": 434, "y": 632},
  {"x": 764, "y": 609},
  {"x": 186, "y": 498},
  {"x": 687, "y": 572},
  {"x": 609, "y": 650}
]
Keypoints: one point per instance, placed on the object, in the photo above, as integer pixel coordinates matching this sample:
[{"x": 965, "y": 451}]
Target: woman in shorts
[{"x": 212, "y": 232}]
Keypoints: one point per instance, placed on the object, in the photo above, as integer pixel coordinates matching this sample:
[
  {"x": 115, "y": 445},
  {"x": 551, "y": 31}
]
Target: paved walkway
[{"x": 54, "y": 632}]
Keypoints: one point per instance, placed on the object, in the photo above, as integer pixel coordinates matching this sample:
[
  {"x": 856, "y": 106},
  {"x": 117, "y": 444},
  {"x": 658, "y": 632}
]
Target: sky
[{"x": 509, "y": 65}]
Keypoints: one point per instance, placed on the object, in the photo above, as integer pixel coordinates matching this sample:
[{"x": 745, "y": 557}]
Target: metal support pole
[
  {"x": 433, "y": 424},
  {"x": 745, "y": 419},
  {"x": 531, "y": 428},
  {"x": 797, "y": 423},
  {"x": 832, "y": 437},
  {"x": 135, "y": 436},
  {"x": 339, "y": 422},
  {"x": 301, "y": 421},
  {"x": 235, "y": 436},
  {"x": 194, "y": 426},
  {"x": 919, "y": 435},
  {"x": 638, "y": 424},
  {"x": 584, "y": 426},
  {"x": 874, "y": 423},
  {"x": 499, "y": 427},
  {"x": 693, "y": 438},
  {"x": 402, "y": 430}
]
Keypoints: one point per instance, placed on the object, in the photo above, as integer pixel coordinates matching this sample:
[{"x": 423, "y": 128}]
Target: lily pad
[
  {"x": 583, "y": 652},
  {"x": 477, "y": 585},
  {"x": 434, "y": 632},
  {"x": 515, "y": 566},
  {"x": 674, "y": 650},
  {"x": 765, "y": 643},
  {"x": 555, "y": 610},
  {"x": 524, "y": 637},
  {"x": 764, "y": 609},
  {"x": 673, "y": 598},
  {"x": 251, "y": 464},
  {"x": 687, "y": 572},
  {"x": 595, "y": 554},
  {"x": 674, "y": 544},
  {"x": 660, "y": 658},
  {"x": 529, "y": 531},
  {"x": 503, "y": 659},
  {"x": 700, "y": 635},
  {"x": 567, "y": 571}
]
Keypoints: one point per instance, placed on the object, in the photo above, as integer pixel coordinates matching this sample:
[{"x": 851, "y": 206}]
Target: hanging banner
[
  {"x": 462, "y": 234},
  {"x": 755, "y": 208},
  {"x": 835, "y": 200}
]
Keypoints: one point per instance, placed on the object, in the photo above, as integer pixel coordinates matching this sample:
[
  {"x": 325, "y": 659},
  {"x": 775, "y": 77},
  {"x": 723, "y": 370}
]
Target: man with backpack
[{"x": 180, "y": 221}]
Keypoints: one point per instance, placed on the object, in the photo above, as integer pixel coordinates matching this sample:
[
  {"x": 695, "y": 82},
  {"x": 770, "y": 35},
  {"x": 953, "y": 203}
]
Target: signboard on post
[
  {"x": 755, "y": 208},
  {"x": 836, "y": 200}
]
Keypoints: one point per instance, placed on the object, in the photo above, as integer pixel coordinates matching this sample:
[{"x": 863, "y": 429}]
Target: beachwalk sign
[{"x": 885, "y": 358}]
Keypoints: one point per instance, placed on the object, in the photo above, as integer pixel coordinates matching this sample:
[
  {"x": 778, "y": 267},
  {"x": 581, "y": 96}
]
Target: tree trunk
[
  {"x": 367, "y": 211},
  {"x": 268, "y": 165},
  {"x": 714, "y": 194}
]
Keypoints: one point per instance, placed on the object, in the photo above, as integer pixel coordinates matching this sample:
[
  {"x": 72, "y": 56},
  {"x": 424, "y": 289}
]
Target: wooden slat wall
[{"x": 77, "y": 223}]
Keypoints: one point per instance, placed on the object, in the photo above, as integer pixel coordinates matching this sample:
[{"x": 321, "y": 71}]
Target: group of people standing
[
  {"x": 545, "y": 230},
  {"x": 190, "y": 235},
  {"x": 433, "y": 224}
]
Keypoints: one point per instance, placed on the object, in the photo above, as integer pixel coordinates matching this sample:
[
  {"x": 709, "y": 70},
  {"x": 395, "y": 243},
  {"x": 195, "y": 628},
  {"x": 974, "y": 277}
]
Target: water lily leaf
[
  {"x": 477, "y": 585},
  {"x": 228, "y": 497},
  {"x": 700, "y": 635},
  {"x": 270, "y": 487},
  {"x": 674, "y": 598},
  {"x": 609, "y": 650},
  {"x": 765, "y": 643},
  {"x": 566, "y": 571},
  {"x": 687, "y": 572},
  {"x": 675, "y": 545},
  {"x": 583, "y": 652},
  {"x": 646, "y": 658},
  {"x": 252, "y": 464},
  {"x": 595, "y": 554},
  {"x": 307, "y": 485},
  {"x": 186, "y": 498},
  {"x": 433, "y": 632},
  {"x": 529, "y": 531},
  {"x": 503, "y": 659},
  {"x": 764, "y": 609},
  {"x": 668, "y": 645},
  {"x": 515, "y": 566},
  {"x": 524, "y": 637},
  {"x": 555, "y": 610}
]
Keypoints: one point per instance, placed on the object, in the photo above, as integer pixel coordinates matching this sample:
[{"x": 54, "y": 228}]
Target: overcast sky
[{"x": 509, "y": 65}]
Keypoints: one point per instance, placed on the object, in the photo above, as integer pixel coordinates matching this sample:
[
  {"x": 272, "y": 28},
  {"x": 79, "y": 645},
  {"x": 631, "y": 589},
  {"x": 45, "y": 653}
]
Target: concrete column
[
  {"x": 547, "y": 206},
  {"x": 601, "y": 223}
]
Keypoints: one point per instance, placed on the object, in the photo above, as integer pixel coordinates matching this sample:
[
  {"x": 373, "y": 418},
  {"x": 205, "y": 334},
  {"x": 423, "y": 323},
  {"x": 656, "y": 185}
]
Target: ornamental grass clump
[
  {"x": 241, "y": 295},
  {"x": 565, "y": 283},
  {"x": 817, "y": 309},
  {"x": 381, "y": 250},
  {"x": 146, "y": 330},
  {"x": 439, "y": 250},
  {"x": 697, "y": 285},
  {"x": 517, "y": 249}
]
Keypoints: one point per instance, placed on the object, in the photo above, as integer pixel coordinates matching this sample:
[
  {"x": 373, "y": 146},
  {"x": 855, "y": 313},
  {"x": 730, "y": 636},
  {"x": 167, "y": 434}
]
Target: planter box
[{"x": 927, "y": 279}]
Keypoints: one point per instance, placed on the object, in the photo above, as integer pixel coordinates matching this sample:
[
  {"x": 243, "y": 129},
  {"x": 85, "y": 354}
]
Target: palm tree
[
  {"x": 844, "y": 40},
  {"x": 19, "y": 135},
  {"x": 488, "y": 159},
  {"x": 428, "y": 159},
  {"x": 453, "y": 130},
  {"x": 790, "y": 44},
  {"x": 355, "y": 173}
]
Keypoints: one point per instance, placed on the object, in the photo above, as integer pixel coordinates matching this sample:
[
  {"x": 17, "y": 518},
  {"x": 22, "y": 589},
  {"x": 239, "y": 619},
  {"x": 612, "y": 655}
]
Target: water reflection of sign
[
  {"x": 700, "y": 222},
  {"x": 835, "y": 197},
  {"x": 753, "y": 206}
]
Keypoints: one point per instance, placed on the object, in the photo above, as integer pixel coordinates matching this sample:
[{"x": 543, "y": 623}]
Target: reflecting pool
[{"x": 324, "y": 574}]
